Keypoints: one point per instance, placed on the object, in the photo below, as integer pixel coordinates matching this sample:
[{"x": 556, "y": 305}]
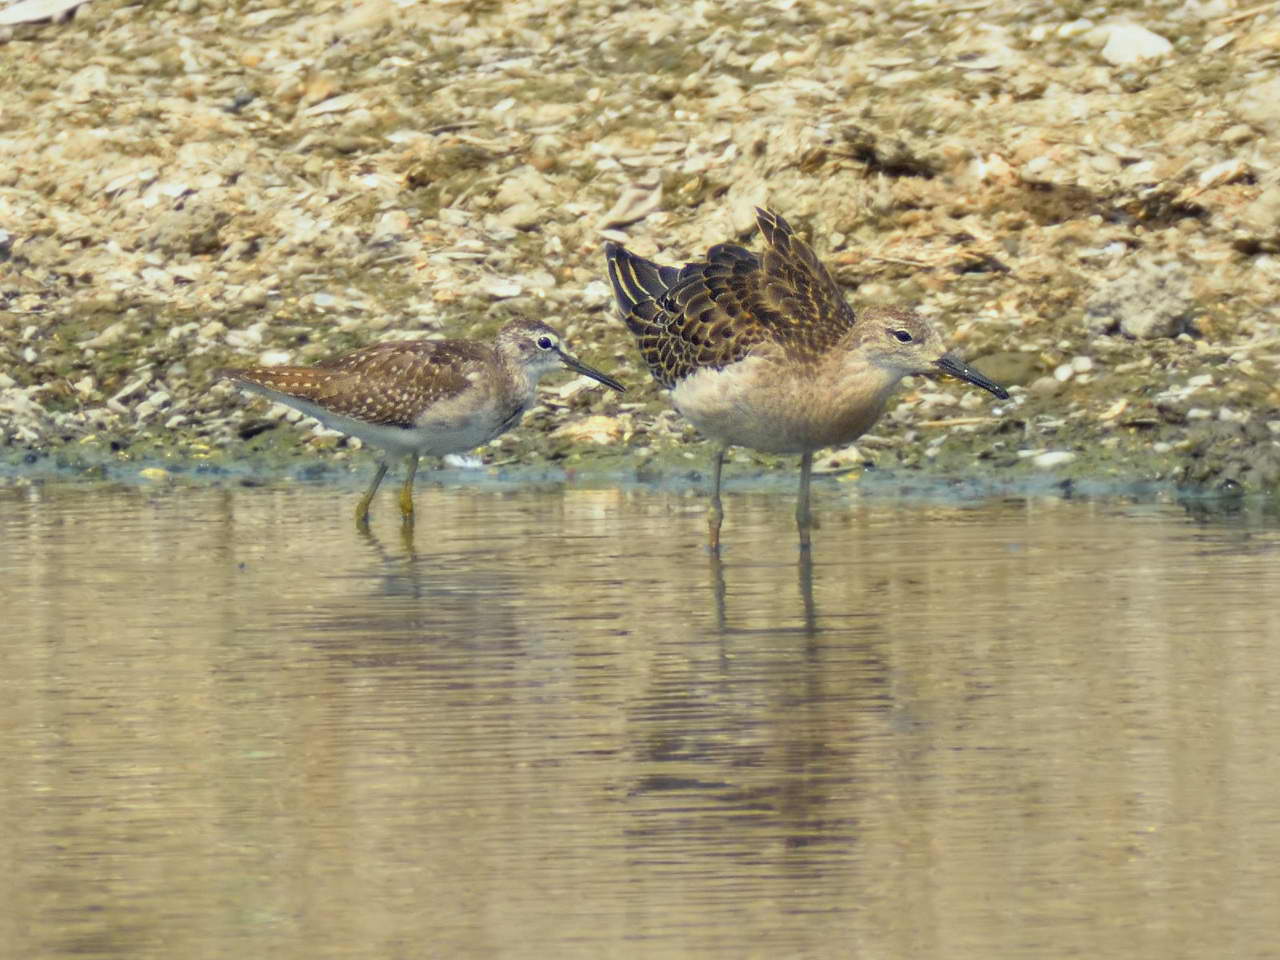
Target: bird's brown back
[
  {"x": 714, "y": 312},
  {"x": 386, "y": 383}
]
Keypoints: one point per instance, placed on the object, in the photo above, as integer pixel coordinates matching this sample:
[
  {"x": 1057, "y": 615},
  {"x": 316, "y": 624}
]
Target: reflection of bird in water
[
  {"x": 719, "y": 590},
  {"x": 394, "y": 607}
]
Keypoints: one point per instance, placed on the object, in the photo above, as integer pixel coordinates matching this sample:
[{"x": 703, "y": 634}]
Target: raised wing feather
[
  {"x": 713, "y": 312},
  {"x": 808, "y": 301}
]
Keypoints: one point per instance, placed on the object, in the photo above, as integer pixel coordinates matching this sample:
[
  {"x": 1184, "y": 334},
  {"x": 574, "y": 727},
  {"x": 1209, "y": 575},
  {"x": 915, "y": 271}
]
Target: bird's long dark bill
[
  {"x": 573, "y": 363},
  {"x": 954, "y": 367}
]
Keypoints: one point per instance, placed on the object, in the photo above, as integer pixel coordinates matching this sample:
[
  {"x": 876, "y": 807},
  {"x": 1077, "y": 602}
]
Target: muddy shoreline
[{"x": 186, "y": 186}]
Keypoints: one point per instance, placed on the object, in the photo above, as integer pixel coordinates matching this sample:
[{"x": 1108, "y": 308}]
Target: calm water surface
[{"x": 550, "y": 726}]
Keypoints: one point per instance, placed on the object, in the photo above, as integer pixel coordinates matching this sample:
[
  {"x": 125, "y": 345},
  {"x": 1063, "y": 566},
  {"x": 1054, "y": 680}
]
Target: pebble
[
  {"x": 1045, "y": 386},
  {"x": 392, "y": 225},
  {"x": 500, "y": 287},
  {"x": 1129, "y": 43},
  {"x": 111, "y": 335},
  {"x": 597, "y": 293},
  {"x": 522, "y": 216},
  {"x": 1144, "y": 299},
  {"x": 597, "y": 429},
  {"x": 249, "y": 337},
  {"x": 635, "y": 203},
  {"x": 1053, "y": 458}
]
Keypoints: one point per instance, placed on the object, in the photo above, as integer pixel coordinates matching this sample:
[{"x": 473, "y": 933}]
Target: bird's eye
[
  {"x": 902, "y": 336},
  {"x": 546, "y": 343}
]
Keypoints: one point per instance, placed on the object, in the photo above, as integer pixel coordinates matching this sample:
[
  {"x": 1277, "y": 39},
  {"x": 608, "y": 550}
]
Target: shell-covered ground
[{"x": 1085, "y": 196}]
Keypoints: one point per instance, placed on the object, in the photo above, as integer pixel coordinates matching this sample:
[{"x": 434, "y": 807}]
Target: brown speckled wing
[
  {"x": 713, "y": 312},
  {"x": 386, "y": 383},
  {"x": 798, "y": 300},
  {"x": 677, "y": 325}
]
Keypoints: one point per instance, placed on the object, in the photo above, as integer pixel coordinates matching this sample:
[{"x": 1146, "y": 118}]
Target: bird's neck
[
  {"x": 867, "y": 383},
  {"x": 520, "y": 381}
]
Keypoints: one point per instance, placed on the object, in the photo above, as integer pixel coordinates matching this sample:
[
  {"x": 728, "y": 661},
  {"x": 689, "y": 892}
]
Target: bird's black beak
[
  {"x": 573, "y": 363},
  {"x": 955, "y": 367}
]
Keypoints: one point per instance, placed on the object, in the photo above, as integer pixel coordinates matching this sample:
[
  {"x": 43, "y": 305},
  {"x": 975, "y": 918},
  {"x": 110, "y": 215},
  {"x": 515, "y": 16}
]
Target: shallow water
[{"x": 551, "y": 726}]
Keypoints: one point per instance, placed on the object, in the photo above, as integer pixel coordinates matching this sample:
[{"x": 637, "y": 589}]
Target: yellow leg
[
  {"x": 362, "y": 508},
  {"x": 715, "y": 512},
  {"x": 406, "y": 492},
  {"x": 804, "y": 519}
]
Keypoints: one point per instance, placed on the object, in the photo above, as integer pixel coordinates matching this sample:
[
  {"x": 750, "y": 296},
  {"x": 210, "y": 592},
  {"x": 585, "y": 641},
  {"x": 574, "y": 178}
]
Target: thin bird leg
[
  {"x": 715, "y": 512},
  {"x": 406, "y": 492},
  {"x": 362, "y": 508},
  {"x": 804, "y": 519}
]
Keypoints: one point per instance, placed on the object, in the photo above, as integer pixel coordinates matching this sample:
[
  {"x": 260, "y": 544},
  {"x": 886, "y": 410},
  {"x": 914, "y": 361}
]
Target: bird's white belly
[
  {"x": 757, "y": 404},
  {"x": 444, "y": 429}
]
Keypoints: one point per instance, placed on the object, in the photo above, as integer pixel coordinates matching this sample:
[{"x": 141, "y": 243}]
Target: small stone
[
  {"x": 598, "y": 429},
  {"x": 1150, "y": 299},
  {"x": 635, "y": 203},
  {"x": 254, "y": 295},
  {"x": 1075, "y": 28},
  {"x": 1011, "y": 368},
  {"x": 597, "y": 292},
  {"x": 87, "y": 83},
  {"x": 1114, "y": 410},
  {"x": 250, "y": 336},
  {"x": 766, "y": 62},
  {"x": 1228, "y": 171},
  {"x": 192, "y": 229},
  {"x": 392, "y": 225},
  {"x": 1128, "y": 43},
  {"x": 463, "y": 461},
  {"x": 522, "y": 186},
  {"x": 1045, "y": 387},
  {"x": 1053, "y": 458},
  {"x": 1237, "y": 135},
  {"x": 500, "y": 287},
  {"x": 521, "y": 216},
  {"x": 107, "y": 337}
]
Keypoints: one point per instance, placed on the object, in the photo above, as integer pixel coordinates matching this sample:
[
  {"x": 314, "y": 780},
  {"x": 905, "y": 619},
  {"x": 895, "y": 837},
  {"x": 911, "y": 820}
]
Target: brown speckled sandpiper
[
  {"x": 422, "y": 397},
  {"x": 763, "y": 351}
]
